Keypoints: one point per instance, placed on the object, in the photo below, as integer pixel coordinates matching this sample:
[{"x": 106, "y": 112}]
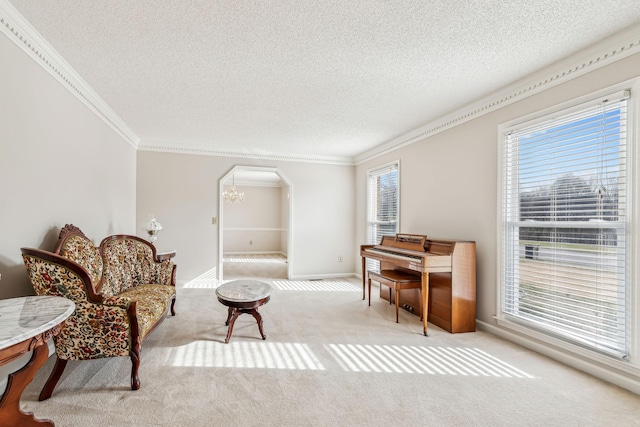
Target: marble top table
[
  {"x": 243, "y": 296},
  {"x": 26, "y": 324},
  {"x": 25, "y": 317}
]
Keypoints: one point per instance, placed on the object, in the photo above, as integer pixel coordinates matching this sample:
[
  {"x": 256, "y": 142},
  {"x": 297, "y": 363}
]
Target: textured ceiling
[{"x": 330, "y": 78}]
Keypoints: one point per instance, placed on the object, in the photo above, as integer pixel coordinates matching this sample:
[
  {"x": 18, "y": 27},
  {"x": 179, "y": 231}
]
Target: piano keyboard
[{"x": 394, "y": 253}]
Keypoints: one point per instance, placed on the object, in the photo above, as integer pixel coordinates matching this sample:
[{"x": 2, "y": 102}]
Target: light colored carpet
[{"x": 328, "y": 360}]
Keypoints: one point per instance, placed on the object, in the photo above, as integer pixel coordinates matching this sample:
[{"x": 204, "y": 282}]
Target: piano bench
[{"x": 397, "y": 280}]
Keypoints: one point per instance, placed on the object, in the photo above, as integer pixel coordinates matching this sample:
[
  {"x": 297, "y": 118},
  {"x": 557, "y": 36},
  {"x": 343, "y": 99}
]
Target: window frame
[
  {"x": 372, "y": 264},
  {"x": 632, "y": 362}
]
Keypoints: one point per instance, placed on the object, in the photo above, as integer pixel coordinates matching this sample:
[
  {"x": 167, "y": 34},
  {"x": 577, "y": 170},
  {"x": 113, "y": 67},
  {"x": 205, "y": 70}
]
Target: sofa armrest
[
  {"x": 117, "y": 301},
  {"x": 165, "y": 256},
  {"x": 52, "y": 274},
  {"x": 165, "y": 273},
  {"x": 82, "y": 335}
]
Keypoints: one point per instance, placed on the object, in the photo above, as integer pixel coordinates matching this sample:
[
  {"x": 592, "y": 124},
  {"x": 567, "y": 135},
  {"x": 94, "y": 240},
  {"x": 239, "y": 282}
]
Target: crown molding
[
  {"x": 20, "y": 31},
  {"x": 244, "y": 153},
  {"x": 610, "y": 50}
]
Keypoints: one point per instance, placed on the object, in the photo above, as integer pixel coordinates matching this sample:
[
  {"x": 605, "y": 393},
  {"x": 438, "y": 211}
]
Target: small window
[
  {"x": 564, "y": 225},
  {"x": 383, "y": 201}
]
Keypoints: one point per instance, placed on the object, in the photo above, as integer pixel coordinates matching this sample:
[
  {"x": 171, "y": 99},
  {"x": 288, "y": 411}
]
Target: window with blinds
[
  {"x": 383, "y": 201},
  {"x": 564, "y": 218}
]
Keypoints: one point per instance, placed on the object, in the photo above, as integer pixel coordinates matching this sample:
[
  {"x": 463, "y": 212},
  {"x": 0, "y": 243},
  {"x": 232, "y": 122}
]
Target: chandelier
[{"x": 233, "y": 195}]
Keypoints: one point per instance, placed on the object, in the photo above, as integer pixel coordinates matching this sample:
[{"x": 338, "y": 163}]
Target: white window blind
[
  {"x": 383, "y": 200},
  {"x": 564, "y": 213}
]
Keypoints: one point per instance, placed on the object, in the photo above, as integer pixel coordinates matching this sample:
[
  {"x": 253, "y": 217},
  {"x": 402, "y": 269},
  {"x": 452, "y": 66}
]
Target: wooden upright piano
[{"x": 448, "y": 273}]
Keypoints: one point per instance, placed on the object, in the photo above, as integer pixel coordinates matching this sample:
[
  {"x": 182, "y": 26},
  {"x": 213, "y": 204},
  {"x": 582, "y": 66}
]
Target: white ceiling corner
[
  {"x": 17, "y": 29},
  {"x": 333, "y": 82}
]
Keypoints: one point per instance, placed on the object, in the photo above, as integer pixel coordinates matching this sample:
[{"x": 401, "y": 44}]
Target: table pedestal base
[
  {"x": 243, "y": 296},
  {"x": 10, "y": 411},
  {"x": 234, "y": 313}
]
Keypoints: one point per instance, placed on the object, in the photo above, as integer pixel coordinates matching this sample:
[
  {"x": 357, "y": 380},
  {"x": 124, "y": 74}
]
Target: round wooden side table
[{"x": 243, "y": 296}]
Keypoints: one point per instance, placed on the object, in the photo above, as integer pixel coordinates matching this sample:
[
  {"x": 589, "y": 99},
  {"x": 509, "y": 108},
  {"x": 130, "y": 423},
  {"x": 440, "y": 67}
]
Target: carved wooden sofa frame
[{"x": 117, "y": 305}]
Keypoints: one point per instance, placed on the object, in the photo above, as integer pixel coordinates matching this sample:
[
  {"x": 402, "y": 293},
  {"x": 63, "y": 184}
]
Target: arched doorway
[{"x": 256, "y": 176}]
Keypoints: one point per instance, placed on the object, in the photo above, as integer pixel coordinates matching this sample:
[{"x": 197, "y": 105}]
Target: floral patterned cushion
[
  {"x": 128, "y": 263},
  {"x": 152, "y": 302},
  {"x": 81, "y": 250}
]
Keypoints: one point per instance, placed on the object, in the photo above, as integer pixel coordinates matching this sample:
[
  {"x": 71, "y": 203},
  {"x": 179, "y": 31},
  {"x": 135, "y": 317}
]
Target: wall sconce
[{"x": 152, "y": 227}]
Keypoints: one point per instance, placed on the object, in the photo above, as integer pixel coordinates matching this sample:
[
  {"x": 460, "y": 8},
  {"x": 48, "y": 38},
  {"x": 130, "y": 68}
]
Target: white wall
[
  {"x": 251, "y": 241},
  {"x": 182, "y": 191},
  {"x": 254, "y": 225},
  {"x": 59, "y": 163},
  {"x": 449, "y": 180}
]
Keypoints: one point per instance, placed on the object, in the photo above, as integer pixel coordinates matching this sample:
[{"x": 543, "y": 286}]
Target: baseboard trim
[
  {"x": 624, "y": 378},
  {"x": 301, "y": 277},
  {"x": 254, "y": 253}
]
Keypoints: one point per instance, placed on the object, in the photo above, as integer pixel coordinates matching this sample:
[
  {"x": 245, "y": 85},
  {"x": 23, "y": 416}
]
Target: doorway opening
[{"x": 254, "y": 235}]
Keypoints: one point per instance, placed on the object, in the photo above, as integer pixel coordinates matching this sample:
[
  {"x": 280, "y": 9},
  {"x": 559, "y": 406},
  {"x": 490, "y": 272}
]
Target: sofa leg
[
  {"x": 135, "y": 364},
  {"x": 58, "y": 369},
  {"x": 173, "y": 303}
]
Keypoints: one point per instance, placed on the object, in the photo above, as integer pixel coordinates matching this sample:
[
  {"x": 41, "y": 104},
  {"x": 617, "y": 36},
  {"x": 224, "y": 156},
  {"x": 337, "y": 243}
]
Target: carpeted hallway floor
[{"x": 269, "y": 266}]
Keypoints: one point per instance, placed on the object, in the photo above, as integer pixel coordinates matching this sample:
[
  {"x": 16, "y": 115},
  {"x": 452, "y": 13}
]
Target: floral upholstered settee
[{"x": 121, "y": 291}]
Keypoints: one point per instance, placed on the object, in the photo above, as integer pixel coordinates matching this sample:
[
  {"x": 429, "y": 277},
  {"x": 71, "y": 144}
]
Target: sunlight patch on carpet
[
  {"x": 239, "y": 354},
  {"x": 315, "y": 285},
  {"x": 207, "y": 280},
  {"x": 421, "y": 360}
]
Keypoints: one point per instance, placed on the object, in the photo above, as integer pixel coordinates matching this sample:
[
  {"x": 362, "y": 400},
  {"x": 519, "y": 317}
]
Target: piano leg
[
  {"x": 364, "y": 276},
  {"x": 424, "y": 296}
]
